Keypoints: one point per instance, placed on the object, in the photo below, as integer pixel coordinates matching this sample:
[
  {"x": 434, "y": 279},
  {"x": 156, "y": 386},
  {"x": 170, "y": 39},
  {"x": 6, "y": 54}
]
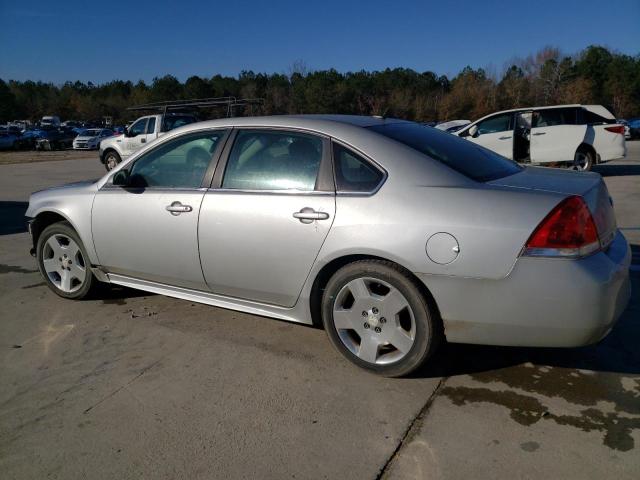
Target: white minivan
[{"x": 578, "y": 136}]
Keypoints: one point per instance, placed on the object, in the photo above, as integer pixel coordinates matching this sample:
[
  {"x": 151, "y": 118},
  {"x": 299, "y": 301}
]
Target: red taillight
[
  {"x": 617, "y": 129},
  {"x": 568, "y": 231}
]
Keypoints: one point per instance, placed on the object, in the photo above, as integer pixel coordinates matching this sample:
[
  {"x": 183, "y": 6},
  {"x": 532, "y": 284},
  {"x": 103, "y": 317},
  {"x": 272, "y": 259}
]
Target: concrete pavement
[{"x": 132, "y": 385}]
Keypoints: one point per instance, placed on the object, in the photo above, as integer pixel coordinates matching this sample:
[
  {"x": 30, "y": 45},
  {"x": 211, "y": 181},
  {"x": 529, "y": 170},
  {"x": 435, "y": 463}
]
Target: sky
[{"x": 58, "y": 41}]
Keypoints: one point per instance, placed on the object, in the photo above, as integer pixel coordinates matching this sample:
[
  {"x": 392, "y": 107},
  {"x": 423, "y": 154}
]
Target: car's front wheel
[
  {"x": 63, "y": 261},
  {"x": 376, "y": 316},
  {"x": 111, "y": 160}
]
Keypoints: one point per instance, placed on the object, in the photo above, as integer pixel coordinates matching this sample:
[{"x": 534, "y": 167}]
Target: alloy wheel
[
  {"x": 63, "y": 263},
  {"x": 581, "y": 161},
  {"x": 111, "y": 162},
  {"x": 374, "y": 320}
]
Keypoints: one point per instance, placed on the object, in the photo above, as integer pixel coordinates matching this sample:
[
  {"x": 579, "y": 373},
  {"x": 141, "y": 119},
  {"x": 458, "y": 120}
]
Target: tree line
[{"x": 596, "y": 75}]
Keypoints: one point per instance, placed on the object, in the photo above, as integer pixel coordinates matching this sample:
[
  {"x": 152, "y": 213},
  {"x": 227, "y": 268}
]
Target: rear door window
[
  {"x": 551, "y": 117},
  {"x": 174, "y": 121},
  {"x": 273, "y": 160}
]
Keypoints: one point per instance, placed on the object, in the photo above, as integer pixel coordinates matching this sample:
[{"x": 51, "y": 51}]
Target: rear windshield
[{"x": 471, "y": 160}]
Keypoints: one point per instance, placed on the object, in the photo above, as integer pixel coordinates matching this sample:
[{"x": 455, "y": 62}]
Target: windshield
[
  {"x": 90, "y": 133},
  {"x": 469, "y": 159}
]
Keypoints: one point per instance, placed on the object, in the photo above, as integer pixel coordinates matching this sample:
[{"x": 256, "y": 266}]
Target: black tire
[
  {"x": 583, "y": 160},
  {"x": 89, "y": 284},
  {"x": 111, "y": 160},
  {"x": 428, "y": 326}
]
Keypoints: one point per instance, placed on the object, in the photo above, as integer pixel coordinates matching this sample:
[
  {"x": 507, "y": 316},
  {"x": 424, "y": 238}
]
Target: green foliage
[{"x": 595, "y": 75}]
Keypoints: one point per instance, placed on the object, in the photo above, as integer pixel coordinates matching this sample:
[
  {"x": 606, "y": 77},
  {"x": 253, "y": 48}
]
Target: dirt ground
[{"x": 11, "y": 156}]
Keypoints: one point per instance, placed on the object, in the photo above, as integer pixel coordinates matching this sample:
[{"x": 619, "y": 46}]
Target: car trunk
[{"x": 589, "y": 186}]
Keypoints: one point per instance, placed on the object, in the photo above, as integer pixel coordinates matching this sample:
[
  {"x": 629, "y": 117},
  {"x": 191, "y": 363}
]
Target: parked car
[
  {"x": 8, "y": 140},
  {"x": 22, "y": 124},
  {"x": 28, "y": 139},
  {"x": 390, "y": 234},
  {"x": 90, "y": 139},
  {"x": 578, "y": 136},
  {"x": 50, "y": 121},
  {"x": 625, "y": 124},
  {"x": 452, "y": 125},
  {"x": 634, "y": 128},
  {"x": 143, "y": 130},
  {"x": 55, "y": 139}
]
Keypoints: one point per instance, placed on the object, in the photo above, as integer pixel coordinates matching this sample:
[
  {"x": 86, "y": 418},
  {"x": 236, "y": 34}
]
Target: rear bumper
[{"x": 543, "y": 302}]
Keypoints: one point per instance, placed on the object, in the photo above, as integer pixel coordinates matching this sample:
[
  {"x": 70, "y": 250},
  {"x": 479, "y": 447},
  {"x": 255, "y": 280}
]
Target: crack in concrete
[
  {"x": 120, "y": 388},
  {"x": 411, "y": 430}
]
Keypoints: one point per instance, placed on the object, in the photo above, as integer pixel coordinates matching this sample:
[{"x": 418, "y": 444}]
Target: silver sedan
[{"x": 391, "y": 235}]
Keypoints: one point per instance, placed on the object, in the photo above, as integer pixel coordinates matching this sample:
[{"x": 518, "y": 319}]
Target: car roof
[
  {"x": 320, "y": 123},
  {"x": 572, "y": 105}
]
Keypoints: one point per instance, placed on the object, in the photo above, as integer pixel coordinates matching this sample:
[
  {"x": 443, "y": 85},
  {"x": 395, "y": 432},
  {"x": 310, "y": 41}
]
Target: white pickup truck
[{"x": 145, "y": 129}]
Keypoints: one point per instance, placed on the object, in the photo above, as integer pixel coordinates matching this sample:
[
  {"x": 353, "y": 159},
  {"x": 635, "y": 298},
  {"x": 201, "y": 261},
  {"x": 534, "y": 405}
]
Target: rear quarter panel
[
  {"x": 491, "y": 225},
  {"x": 608, "y": 145}
]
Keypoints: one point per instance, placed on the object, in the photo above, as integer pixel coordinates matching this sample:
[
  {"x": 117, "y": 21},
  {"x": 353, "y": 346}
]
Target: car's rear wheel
[
  {"x": 63, "y": 261},
  {"x": 583, "y": 160},
  {"x": 111, "y": 160},
  {"x": 376, "y": 316}
]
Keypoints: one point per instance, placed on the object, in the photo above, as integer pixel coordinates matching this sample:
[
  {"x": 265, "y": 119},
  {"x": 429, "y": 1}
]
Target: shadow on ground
[
  {"x": 118, "y": 295},
  {"x": 12, "y": 218},
  {"x": 617, "y": 353},
  {"x": 607, "y": 170}
]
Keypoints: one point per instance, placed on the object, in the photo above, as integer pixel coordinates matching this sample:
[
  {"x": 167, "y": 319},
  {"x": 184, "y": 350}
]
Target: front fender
[{"x": 74, "y": 205}]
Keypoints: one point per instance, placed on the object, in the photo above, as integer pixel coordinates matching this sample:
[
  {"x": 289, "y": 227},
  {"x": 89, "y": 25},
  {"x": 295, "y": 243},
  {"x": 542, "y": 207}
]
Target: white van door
[
  {"x": 555, "y": 135},
  {"x": 495, "y": 133}
]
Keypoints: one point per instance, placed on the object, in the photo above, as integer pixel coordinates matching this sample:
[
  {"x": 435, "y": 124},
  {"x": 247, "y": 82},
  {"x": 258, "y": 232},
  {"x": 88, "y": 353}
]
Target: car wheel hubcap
[
  {"x": 581, "y": 161},
  {"x": 63, "y": 262},
  {"x": 374, "y": 321},
  {"x": 111, "y": 162}
]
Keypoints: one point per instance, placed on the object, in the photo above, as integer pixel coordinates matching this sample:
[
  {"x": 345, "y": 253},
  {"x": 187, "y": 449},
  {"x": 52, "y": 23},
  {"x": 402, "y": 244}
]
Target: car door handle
[
  {"x": 504, "y": 138},
  {"x": 308, "y": 215},
  {"x": 176, "y": 208},
  {"x": 539, "y": 133}
]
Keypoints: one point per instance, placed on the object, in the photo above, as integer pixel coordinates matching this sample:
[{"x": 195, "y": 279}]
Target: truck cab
[{"x": 144, "y": 130}]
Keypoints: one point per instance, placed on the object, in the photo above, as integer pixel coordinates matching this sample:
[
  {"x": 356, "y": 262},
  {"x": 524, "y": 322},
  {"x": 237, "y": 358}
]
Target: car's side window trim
[
  {"x": 206, "y": 180},
  {"x": 324, "y": 181},
  {"x": 368, "y": 159}
]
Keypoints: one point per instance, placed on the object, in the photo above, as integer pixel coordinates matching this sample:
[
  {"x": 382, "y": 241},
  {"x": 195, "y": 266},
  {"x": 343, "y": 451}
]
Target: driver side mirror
[
  {"x": 473, "y": 131},
  {"x": 121, "y": 178}
]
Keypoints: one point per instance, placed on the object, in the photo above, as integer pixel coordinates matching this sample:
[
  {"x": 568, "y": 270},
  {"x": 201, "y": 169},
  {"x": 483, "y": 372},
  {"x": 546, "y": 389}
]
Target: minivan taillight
[
  {"x": 568, "y": 231},
  {"x": 617, "y": 129}
]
